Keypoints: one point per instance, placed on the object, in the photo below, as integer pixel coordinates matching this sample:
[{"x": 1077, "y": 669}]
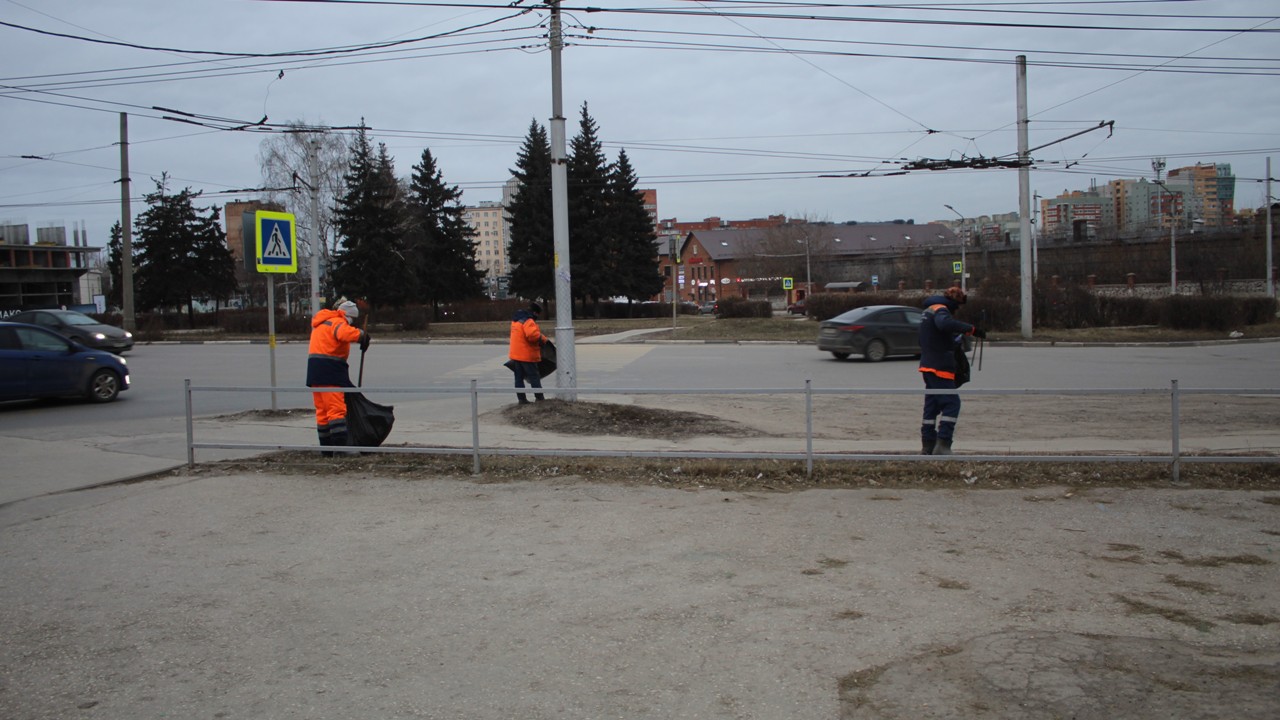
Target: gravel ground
[{"x": 340, "y": 592}]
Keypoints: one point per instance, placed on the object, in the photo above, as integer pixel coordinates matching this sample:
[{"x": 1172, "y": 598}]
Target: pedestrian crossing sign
[{"x": 275, "y": 244}]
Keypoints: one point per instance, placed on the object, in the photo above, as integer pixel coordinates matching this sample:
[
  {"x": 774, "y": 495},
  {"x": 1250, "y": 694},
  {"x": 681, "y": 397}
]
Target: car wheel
[
  {"x": 104, "y": 386},
  {"x": 841, "y": 356},
  {"x": 876, "y": 351}
]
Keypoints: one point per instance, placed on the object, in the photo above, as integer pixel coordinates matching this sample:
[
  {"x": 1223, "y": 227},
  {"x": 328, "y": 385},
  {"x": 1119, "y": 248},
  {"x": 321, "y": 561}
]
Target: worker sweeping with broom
[{"x": 332, "y": 334}]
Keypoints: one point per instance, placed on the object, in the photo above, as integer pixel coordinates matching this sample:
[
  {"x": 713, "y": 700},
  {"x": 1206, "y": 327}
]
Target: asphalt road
[{"x": 52, "y": 446}]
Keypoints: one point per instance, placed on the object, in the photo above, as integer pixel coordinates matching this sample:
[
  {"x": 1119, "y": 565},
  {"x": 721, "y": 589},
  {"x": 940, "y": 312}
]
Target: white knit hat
[{"x": 351, "y": 309}]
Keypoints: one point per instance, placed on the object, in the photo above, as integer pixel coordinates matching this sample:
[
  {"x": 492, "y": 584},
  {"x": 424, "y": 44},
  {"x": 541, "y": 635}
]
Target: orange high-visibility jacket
[
  {"x": 526, "y": 338},
  {"x": 331, "y": 338}
]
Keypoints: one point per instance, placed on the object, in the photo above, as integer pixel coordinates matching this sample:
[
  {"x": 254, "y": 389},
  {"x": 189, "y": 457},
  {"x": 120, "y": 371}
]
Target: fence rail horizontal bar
[
  {"x": 1174, "y": 458},
  {"x": 507, "y": 390},
  {"x": 721, "y": 455}
]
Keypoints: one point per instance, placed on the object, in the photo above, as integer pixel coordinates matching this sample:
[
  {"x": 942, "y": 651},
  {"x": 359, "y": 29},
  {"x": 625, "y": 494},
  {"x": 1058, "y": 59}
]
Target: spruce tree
[
  {"x": 531, "y": 250},
  {"x": 633, "y": 256},
  {"x": 115, "y": 268},
  {"x": 588, "y": 172},
  {"x": 442, "y": 252},
  {"x": 373, "y": 264},
  {"x": 181, "y": 252}
]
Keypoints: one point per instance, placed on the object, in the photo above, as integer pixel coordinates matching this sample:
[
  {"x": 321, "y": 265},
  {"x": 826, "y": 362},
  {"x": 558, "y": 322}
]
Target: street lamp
[{"x": 964, "y": 267}]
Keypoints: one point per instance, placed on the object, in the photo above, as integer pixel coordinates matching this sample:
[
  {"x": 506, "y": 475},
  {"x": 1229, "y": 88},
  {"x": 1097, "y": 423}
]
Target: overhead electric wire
[
  {"x": 340, "y": 61},
  {"x": 1000, "y": 8},
  {"x": 213, "y": 73},
  {"x": 684, "y": 12},
  {"x": 380, "y": 49},
  {"x": 595, "y": 41},
  {"x": 288, "y": 53},
  {"x": 594, "y": 30}
]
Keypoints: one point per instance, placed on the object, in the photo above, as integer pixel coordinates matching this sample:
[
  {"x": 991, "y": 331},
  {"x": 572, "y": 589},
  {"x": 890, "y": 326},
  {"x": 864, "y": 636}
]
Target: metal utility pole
[
  {"x": 1024, "y": 197},
  {"x": 317, "y": 241},
  {"x": 566, "y": 363},
  {"x": 126, "y": 230},
  {"x": 964, "y": 266}
]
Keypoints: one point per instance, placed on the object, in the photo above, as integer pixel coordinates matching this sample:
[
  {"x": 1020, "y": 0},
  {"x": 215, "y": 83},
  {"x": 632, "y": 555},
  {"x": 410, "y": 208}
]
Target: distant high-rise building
[
  {"x": 1076, "y": 214},
  {"x": 1208, "y": 192},
  {"x": 488, "y": 222}
]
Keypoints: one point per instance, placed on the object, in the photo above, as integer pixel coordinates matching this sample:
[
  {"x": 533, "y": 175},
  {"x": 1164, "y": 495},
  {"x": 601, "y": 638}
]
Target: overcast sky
[{"x": 731, "y": 109}]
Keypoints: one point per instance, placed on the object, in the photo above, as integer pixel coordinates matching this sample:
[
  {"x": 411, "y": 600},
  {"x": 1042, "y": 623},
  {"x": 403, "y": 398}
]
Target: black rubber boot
[
  {"x": 943, "y": 447},
  {"x": 325, "y": 441},
  {"x": 539, "y": 397},
  {"x": 927, "y": 445},
  {"x": 522, "y": 398},
  {"x": 340, "y": 440}
]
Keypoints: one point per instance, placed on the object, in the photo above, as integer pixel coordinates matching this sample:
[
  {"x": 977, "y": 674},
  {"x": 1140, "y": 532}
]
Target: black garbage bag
[
  {"x": 963, "y": 373},
  {"x": 368, "y": 423},
  {"x": 547, "y": 364}
]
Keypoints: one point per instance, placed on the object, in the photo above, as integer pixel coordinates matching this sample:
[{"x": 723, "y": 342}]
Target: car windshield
[{"x": 74, "y": 318}]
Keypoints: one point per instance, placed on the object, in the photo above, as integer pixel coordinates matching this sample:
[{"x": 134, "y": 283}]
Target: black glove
[
  {"x": 979, "y": 332},
  {"x": 364, "y": 341}
]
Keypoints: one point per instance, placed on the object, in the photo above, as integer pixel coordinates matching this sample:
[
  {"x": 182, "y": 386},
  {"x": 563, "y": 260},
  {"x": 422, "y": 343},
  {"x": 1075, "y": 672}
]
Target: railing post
[
  {"x": 1177, "y": 450},
  {"x": 808, "y": 427},
  {"x": 191, "y": 433},
  {"x": 475, "y": 429}
]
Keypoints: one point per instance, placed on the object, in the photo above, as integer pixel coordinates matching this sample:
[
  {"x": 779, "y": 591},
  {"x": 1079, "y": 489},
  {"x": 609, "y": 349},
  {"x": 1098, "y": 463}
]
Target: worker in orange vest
[
  {"x": 332, "y": 333},
  {"x": 525, "y": 350}
]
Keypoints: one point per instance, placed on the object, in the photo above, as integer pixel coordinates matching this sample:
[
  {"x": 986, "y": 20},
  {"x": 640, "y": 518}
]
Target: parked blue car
[{"x": 38, "y": 363}]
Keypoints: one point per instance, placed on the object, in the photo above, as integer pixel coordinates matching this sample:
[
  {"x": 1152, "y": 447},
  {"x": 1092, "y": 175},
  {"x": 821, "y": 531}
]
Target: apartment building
[
  {"x": 1191, "y": 197},
  {"x": 1209, "y": 191},
  {"x": 488, "y": 222},
  {"x": 1076, "y": 214}
]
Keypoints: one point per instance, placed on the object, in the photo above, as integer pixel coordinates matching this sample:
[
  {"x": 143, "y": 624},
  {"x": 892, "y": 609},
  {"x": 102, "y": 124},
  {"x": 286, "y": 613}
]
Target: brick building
[{"x": 751, "y": 263}]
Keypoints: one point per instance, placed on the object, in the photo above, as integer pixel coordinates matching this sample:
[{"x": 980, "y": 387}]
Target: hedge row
[{"x": 1076, "y": 307}]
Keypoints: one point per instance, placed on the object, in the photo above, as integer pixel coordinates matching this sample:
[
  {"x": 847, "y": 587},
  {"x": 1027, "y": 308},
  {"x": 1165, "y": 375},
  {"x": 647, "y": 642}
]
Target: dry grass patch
[{"x": 1139, "y": 607}]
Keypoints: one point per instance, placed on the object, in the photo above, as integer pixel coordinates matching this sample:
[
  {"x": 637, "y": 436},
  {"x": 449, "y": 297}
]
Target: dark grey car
[
  {"x": 79, "y": 327},
  {"x": 875, "y": 332}
]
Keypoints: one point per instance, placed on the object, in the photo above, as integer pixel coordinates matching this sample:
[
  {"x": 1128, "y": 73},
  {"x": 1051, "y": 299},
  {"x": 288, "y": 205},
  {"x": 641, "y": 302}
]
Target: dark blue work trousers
[
  {"x": 940, "y": 411},
  {"x": 527, "y": 371}
]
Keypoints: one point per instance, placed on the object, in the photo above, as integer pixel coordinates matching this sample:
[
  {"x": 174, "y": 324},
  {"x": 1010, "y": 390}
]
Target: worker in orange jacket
[
  {"x": 331, "y": 336},
  {"x": 525, "y": 350}
]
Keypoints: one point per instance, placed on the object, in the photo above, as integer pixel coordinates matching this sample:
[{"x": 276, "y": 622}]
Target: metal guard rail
[{"x": 1174, "y": 459}]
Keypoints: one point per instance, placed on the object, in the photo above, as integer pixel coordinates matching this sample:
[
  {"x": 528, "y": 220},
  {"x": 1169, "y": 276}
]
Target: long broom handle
[{"x": 360, "y": 379}]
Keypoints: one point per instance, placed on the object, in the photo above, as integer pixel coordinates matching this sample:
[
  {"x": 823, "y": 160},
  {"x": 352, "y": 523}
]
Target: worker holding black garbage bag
[
  {"x": 332, "y": 334},
  {"x": 525, "y": 350}
]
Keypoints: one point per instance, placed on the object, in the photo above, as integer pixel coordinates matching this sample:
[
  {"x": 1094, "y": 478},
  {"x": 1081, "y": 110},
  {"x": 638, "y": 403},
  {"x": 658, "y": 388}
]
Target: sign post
[{"x": 275, "y": 250}]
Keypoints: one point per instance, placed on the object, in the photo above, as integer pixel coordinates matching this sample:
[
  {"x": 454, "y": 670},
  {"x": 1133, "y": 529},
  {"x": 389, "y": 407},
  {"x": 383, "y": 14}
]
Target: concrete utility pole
[
  {"x": 317, "y": 242},
  {"x": 1157, "y": 165},
  {"x": 566, "y": 363},
  {"x": 1271, "y": 278},
  {"x": 1024, "y": 197},
  {"x": 126, "y": 230}
]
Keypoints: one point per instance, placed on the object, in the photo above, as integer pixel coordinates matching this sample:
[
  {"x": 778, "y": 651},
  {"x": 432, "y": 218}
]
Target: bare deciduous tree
[{"x": 299, "y": 161}]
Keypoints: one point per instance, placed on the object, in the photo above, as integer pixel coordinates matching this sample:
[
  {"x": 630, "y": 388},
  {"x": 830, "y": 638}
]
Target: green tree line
[{"x": 406, "y": 242}]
